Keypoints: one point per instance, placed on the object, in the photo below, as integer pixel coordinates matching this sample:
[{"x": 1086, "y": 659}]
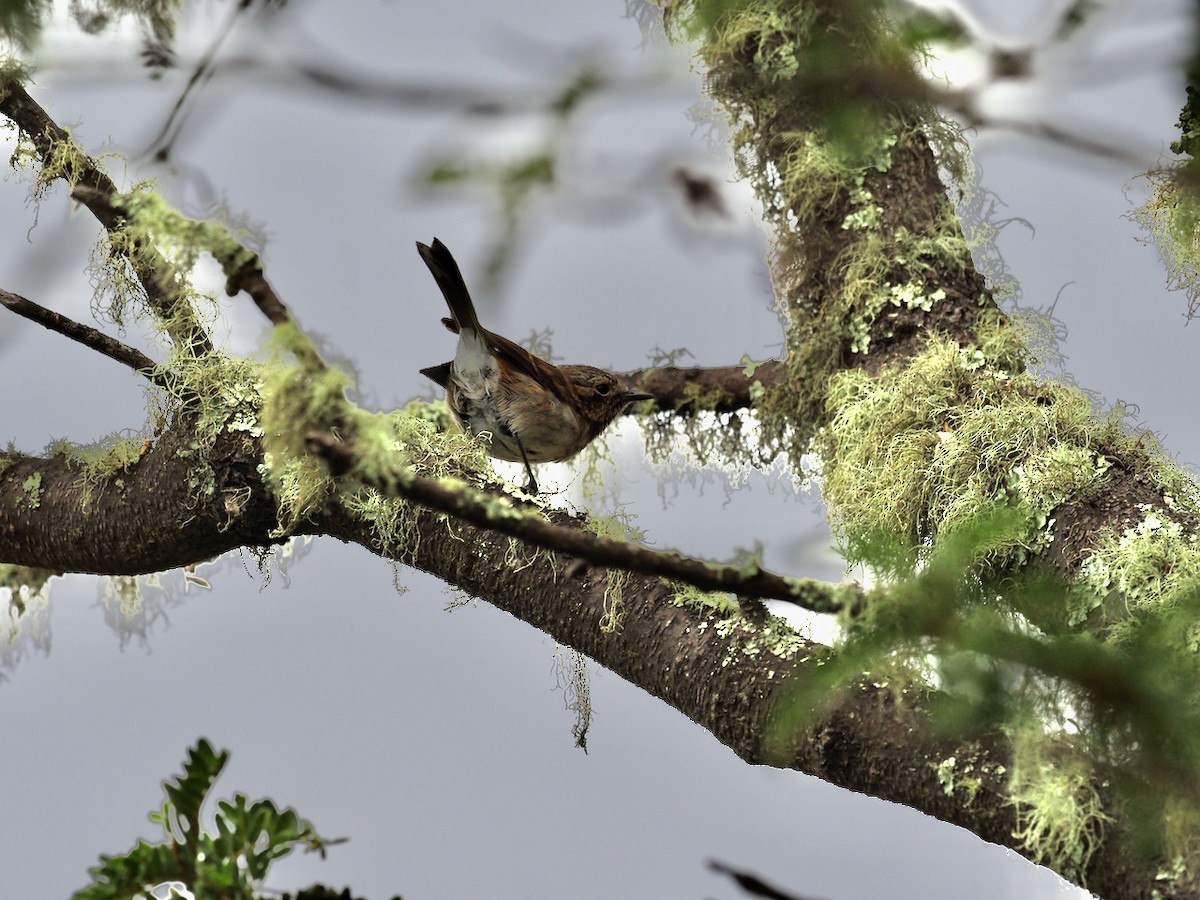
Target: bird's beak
[{"x": 634, "y": 396}]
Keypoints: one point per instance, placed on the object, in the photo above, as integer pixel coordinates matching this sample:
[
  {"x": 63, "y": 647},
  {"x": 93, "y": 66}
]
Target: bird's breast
[{"x": 516, "y": 411}]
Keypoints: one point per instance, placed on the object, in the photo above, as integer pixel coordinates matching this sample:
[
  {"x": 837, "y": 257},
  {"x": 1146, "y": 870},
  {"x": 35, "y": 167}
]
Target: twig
[
  {"x": 727, "y": 388},
  {"x": 47, "y": 137},
  {"x": 202, "y": 73},
  {"x": 810, "y": 594},
  {"x": 751, "y": 883},
  {"x": 86, "y": 335},
  {"x": 250, "y": 278}
]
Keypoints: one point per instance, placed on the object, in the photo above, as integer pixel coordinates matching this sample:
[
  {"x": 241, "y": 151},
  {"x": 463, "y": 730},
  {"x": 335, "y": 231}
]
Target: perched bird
[{"x": 533, "y": 411}]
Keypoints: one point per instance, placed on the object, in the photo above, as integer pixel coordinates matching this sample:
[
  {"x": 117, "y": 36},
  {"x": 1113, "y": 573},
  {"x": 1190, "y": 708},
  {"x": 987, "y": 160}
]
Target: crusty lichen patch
[{"x": 963, "y": 776}]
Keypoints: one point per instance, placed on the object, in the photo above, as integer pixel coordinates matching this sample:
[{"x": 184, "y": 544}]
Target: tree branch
[
  {"x": 732, "y": 676},
  {"x": 747, "y": 582},
  {"x": 688, "y": 390},
  {"x": 52, "y": 143},
  {"x": 86, "y": 335}
]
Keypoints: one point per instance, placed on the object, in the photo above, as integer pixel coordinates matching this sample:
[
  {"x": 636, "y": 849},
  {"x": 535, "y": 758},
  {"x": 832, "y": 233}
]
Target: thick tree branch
[
  {"x": 86, "y": 335},
  {"x": 144, "y": 518},
  {"x": 868, "y": 740}
]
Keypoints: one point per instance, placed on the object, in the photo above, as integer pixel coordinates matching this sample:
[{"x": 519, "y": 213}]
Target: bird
[{"x": 530, "y": 410}]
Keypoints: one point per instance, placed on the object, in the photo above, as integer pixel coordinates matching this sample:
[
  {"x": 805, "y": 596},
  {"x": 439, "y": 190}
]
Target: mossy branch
[
  {"x": 62, "y": 157},
  {"x": 497, "y": 515},
  {"x": 689, "y": 390}
]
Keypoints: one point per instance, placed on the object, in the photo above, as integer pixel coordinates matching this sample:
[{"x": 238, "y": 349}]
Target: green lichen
[
  {"x": 401, "y": 442},
  {"x": 1171, "y": 219},
  {"x": 887, "y": 270},
  {"x": 32, "y": 486},
  {"x": 219, "y": 394},
  {"x": 1060, "y": 815},
  {"x": 1151, "y": 564},
  {"x": 913, "y": 452},
  {"x": 150, "y": 221},
  {"x": 772, "y": 643},
  {"x": 8, "y": 458},
  {"x": 881, "y": 268},
  {"x": 692, "y": 446},
  {"x": 949, "y": 778},
  {"x": 25, "y": 592},
  {"x": 65, "y": 160},
  {"x": 521, "y": 556},
  {"x": 15, "y": 578},
  {"x": 310, "y": 397},
  {"x": 297, "y": 400},
  {"x": 717, "y": 603},
  {"x": 99, "y": 464},
  {"x": 1180, "y": 846},
  {"x": 617, "y": 527},
  {"x": 13, "y": 71},
  {"x": 124, "y": 594},
  {"x": 763, "y": 639},
  {"x": 917, "y": 451},
  {"x": 155, "y": 238},
  {"x": 964, "y": 777},
  {"x": 815, "y": 151},
  {"x": 596, "y": 467}
]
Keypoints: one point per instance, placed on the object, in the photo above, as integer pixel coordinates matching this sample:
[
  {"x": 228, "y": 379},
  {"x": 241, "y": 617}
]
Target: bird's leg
[{"x": 532, "y": 487}]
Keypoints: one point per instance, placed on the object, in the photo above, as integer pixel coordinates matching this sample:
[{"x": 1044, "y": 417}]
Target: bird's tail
[{"x": 445, "y": 272}]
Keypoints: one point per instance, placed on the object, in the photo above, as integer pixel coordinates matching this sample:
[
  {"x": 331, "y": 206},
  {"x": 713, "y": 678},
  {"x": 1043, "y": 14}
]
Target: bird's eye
[{"x": 603, "y": 388}]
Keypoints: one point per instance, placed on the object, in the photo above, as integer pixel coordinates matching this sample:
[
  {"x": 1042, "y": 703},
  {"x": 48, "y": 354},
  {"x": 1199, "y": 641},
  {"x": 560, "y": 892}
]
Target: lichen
[
  {"x": 154, "y": 238},
  {"x": 25, "y": 599},
  {"x": 965, "y": 776},
  {"x": 767, "y": 639},
  {"x": 1060, "y": 815},
  {"x": 1171, "y": 219},
  {"x": 15, "y": 578},
  {"x": 616, "y": 527},
  {"x": 772, "y": 642},
  {"x": 65, "y": 160},
  {"x": 32, "y": 486},
  {"x": 8, "y": 457},
  {"x": 716, "y": 603},
  {"x": 1152, "y": 563},
  {"x": 919, "y": 450},
  {"x": 300, "y": 399},
  {"x": 12, "y": 71},
  {"x": 100, "y": 463},
  {"x": 123, "y": 594},
  {"x": 814, "y": 152}
]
